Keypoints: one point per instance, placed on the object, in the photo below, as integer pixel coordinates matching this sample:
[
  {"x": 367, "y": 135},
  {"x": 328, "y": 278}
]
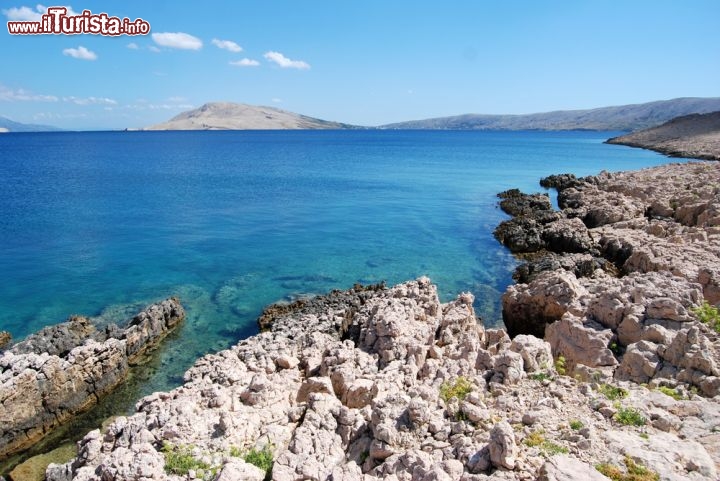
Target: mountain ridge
[
  {"x": 7, "y": 125},
  {"x": 621, "y": 117}
]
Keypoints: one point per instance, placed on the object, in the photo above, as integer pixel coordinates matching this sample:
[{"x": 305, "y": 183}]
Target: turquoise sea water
[{"x": 103, "y": 223}]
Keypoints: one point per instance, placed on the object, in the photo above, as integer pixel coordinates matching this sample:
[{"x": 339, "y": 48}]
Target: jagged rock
[
  {"x": 5, "y": 339},
  {"x": 560, "y": 181},
  {"x": 40, "y": 390},
  {"x": 528, "y": 308},
  {"x": 581, "y": 342},
  {"x": 515, "y": 203},
  {"x": 565, "y": 468},
  {"x": 503, "y": 450}
]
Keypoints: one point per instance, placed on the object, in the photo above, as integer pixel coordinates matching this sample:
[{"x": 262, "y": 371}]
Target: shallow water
[{"x": 103, "y": 223}]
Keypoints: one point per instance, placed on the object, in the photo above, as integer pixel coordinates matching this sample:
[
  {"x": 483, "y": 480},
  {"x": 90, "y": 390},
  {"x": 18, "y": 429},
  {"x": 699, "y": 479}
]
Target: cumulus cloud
[
  {"x": 28, "y": 14},
  {"x": 81, "y": 53},
  {"x": 21, "y": 95},
  {"x": 284, "y": 62},
  {"x": 177, "y": 40},
  {"x": 227, "y": 45},
  {"x": 245, "y": 62}
]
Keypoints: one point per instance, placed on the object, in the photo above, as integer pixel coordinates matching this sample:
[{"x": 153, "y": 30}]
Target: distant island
[
  {"x": 624, "y": 117},
  {"x": 231, "y": 116},
  {"x": 692, "y": 136},
  {"x": 7, "y": 125}
]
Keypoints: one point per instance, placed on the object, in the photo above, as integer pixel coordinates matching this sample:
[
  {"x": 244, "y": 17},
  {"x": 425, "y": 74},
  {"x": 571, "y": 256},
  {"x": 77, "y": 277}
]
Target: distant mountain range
[
  {"x": 7, "y": 125},
  {"x": 693, "y": 136},
  {"x": 230, "y": 116},
  {"x": 624, "y": 117}
]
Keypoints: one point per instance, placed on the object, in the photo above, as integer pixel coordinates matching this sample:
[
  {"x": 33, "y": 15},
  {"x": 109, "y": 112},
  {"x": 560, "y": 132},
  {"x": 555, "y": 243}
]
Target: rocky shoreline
[
  {"x": 695, "y": 136},
  {"x": 65, "y": 369},
  {"x": 606, "y": 368}
]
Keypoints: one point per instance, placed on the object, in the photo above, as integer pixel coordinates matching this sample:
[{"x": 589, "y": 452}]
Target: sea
[{"x": 103, "y": 223}]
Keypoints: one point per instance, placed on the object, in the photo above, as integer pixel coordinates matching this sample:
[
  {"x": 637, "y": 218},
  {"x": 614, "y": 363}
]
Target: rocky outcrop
[
  {"x": 412, "y": 390},
  {"x": 695, "y": 136},
  {"x": 620, "y": 295},
  {"x": 63, "y": 370}
]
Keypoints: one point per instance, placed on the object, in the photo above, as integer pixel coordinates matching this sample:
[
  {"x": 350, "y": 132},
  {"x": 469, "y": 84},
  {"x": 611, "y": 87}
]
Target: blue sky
[{"x": 368, "y": 63}]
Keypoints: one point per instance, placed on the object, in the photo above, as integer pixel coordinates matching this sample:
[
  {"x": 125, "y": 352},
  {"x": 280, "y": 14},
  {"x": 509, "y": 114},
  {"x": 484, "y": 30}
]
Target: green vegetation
[
  {"x": 263, "y": 459},
  {"x": 551, "y": 449},
  {"x": 363, "y": 456},
  {"x": 673, "y": 393},
  {"x": 576, "y": 425},
  {"x": 561, "y": 365},
  {"x": 612, "y": 392},
  {"x": 630, "y": 417},
  {"x": 235, "y": 452},
  {"x": 458, "y": 389},
  {"x": 180, "y": 460},
  {"x": 535, "y": 438},
  {"x": 708, "y": 314},
  {"x": 635, "y": 472},
  {"x": 540, "y": 376}
]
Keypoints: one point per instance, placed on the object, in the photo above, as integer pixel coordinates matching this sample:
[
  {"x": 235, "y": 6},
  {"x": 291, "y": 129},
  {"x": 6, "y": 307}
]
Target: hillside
[
  {"x": 231, "y": 116},
  {"x": 624, "y": 117},
  {"x": 693, "y": 136},
  {"x": 7, "y": 125}
]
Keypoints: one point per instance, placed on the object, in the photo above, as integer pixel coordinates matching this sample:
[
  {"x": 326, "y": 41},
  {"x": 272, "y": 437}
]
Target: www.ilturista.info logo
[{"x": 57, "y": 22}]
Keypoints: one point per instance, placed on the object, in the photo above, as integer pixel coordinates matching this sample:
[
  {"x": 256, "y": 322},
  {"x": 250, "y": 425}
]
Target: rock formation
[
  {"x": 401, "y": 387},
  {"x": 64, "y": 369},
  {"x": 695, "y": 136},
  {"x": 659, "y": 228}
]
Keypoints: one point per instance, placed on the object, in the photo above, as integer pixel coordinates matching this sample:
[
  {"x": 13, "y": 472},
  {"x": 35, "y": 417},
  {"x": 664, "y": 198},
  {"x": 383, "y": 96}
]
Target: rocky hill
[
  {"x": 692, "y": 136},
  {"x": 231, "y": 116},
  {"x": 624, "y": 117},
  {"x": 7, "y": 125}
]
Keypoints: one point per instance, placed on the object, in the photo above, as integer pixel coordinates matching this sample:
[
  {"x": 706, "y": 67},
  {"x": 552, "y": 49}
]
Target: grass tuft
[
  {"x": 180, "y": 460},
  {"x": 635, "y": 472},
  {"x": 673, "y": 393},
  {"x": 458, "y": 389},
  {"x": 630, "y": 417},
  {"x": 612, "y": 392},
  {"x": 576, "y": 425},
  {"x": 263, "y": 459},
  {"x": 708, "y": 314}
]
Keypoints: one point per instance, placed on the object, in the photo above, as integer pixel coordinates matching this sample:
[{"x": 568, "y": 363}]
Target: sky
[{"x": 365, "y": 62}]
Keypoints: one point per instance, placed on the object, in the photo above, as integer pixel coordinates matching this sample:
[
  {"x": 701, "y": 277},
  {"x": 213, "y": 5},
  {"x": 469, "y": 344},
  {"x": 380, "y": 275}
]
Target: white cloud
[
  {"x": 177, "y": 99},
  {"x": 277, "y": 100},
  {"x": 81, "y": 53},
  {"x": 154, "y": 49},
  {"x": 178, "y": 40},
  {"x": 245, "y": 62},
  {"x": 90, "y": 100},
  {"x": 284, "y": 62},
  {"x": 28, "y": 14},
  {"x": 133, "y": 46},
  {"x": 227, "y": 45},
  {"x": 21, "y": 95}
]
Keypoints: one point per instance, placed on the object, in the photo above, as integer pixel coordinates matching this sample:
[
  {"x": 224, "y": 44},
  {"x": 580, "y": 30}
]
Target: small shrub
[
  {"x": 263, "y": 459},
  {"x": 673, "y": 393},
  {"x": 576, "y": 425},
  {"x": 644, "y": 435},
  {"x": 551, "y": 449},
  {"x": 540, "y": 376},
  {"x": 708, "y": 314},
  {"x": 180, "y": 460},
  {"x": 635, "y": 472},
  {"x": 535, "y": 438},
  {"x": 612, "y": 392},
  {"x": 235, "y": 452},
  {"x": 561, "y": 365},
  {"x": 630, "y": 417},
  {"x": 458, "y": 389}
]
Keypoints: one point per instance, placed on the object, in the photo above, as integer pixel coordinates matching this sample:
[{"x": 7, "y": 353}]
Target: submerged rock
[{"x": 63, "y": 370}]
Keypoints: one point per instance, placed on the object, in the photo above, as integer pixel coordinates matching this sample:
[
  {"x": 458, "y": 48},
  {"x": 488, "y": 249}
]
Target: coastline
[{"x": 390, "y": 382}]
